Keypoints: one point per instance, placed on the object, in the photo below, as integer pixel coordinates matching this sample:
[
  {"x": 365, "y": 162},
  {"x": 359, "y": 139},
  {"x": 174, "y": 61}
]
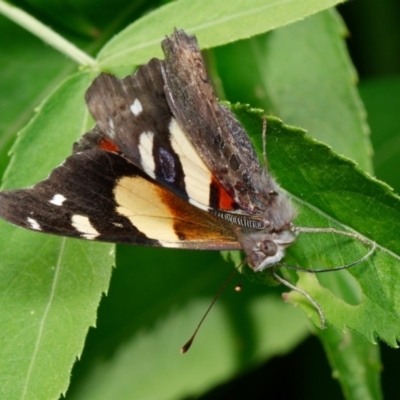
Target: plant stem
[{"x": 43, "y": 32}]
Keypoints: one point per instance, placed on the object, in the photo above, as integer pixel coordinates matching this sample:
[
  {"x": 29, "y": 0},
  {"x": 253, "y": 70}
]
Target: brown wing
[
  {"x": 99, "y": 195},
  {"x": 214, "y": 131},
  {"x": 133, "y": 113}
]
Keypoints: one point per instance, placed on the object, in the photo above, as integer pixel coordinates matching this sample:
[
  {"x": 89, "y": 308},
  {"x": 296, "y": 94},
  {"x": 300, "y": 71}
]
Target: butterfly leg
[{"x": 305, "y": 294}]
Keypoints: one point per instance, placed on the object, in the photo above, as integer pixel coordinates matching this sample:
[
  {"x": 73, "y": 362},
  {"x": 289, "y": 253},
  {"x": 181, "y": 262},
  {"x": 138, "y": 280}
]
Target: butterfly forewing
[
  {"x": 213, "y": 129},
  {"x": 99, "y": 195},
  {"x": 134, "y": 114}
]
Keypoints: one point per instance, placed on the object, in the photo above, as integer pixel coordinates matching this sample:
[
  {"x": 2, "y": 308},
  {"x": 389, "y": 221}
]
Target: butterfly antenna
[
  {"x": 316, "y": 271},
  {"x": 305, "y": 229},
  {"x": 264, "y": 140},
  {"x": 305, "y": 294},
  {"x": 335, "y": 231},
  {"x": 187, "y": 345}
]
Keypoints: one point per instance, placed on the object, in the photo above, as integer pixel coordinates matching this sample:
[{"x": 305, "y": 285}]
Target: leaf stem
[{"x": 43, "y": 32}]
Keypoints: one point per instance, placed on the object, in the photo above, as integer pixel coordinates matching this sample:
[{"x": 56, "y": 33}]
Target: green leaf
[
  {"x": 29, "y": 71},
  {"x": 302, "y": 74},
  {"x": 355, "y": 363},
  {"x": 217, "y": 23},
  {"x": 160, "y": 295},
  {"x": 50, "y": 286},
  {"x": 47, "y": 140},
  {"x": 50, "y": 290},
  {"x": 331, "y": 191}
]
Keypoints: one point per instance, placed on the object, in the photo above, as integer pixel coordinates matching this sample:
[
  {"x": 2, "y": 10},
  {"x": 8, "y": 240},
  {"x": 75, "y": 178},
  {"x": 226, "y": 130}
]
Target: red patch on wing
[
  {"x": 225, "y": 202},
  {"x": 107, "y": 145}
]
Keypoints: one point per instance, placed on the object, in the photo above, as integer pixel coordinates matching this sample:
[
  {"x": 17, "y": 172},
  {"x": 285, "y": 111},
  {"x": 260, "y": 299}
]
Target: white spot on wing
[
  {"x": 34, "y": 224},
  {"x": 111, "y": 130},
  {"x": 83, "y": 225},
  {"x": 197, "y": 175},
  {"x": 146, "y": 142},
  {"x": 136, "y": 107},
  {"x": 57, "y": 200}
]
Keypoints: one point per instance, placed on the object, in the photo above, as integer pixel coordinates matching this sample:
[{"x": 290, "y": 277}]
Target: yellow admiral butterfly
[{"x": 165, "y": 165}]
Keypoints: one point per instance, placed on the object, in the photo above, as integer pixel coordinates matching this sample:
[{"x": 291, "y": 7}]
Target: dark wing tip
[
  {"x": 10, "y": 207},
  {"x": 179, "y": 40}
]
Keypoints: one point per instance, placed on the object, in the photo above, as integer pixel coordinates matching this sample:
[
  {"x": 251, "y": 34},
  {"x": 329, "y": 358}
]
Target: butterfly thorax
[{"x": 266, "y": 246}]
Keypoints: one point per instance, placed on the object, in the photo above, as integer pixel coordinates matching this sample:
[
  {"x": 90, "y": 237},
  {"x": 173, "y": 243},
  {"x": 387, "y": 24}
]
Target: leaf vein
[{"x": 43, "y": 319}]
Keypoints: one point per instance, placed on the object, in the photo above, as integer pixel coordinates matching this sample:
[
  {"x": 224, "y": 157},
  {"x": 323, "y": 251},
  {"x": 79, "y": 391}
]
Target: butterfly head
[{"x": 265, "y": 249}]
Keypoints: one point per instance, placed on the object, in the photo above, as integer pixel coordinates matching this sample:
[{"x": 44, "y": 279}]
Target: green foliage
[
  {"x": 214, "y": 25},
  {"x": 307, "y": 82},
  {"x": 51, "y": 287}
]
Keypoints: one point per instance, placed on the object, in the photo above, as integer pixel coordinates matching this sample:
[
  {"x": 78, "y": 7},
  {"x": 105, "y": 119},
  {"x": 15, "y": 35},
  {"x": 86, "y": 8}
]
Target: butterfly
[{"x": 165, "y": 165}]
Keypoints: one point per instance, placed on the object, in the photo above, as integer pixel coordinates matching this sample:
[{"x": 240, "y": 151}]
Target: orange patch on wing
[
  {"x": 107, "y": 145},
  {"x": 193, "y": 224},
  {"x": 162, "y": 215}
]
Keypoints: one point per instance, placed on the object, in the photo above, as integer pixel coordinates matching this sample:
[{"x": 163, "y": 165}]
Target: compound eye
[{"x": 268, "y": 247}]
